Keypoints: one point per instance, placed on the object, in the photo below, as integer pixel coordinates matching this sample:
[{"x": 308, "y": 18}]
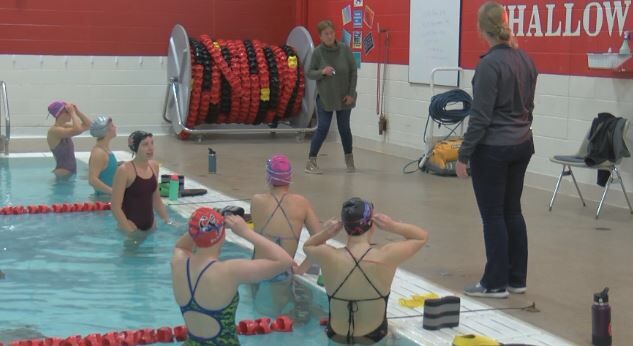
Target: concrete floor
[{"x": 572, "y": 255}]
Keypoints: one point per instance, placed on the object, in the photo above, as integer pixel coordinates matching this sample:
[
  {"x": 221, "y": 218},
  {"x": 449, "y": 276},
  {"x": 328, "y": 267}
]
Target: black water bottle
[{"x": 601, "y": 319}]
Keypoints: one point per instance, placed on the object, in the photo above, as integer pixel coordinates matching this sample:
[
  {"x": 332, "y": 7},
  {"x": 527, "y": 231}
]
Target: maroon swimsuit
[{"x": 138, "y": 201}]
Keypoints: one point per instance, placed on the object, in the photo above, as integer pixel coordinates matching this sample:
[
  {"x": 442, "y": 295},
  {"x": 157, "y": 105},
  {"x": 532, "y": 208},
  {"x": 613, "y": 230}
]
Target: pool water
[
  {"x": 25, "y": 181},
  {"x": 74, "y": 273},
  {"x": 67, "y": 274}
]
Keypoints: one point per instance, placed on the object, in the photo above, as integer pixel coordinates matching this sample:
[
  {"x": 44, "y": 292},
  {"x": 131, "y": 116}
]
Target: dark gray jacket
[
  {"x": 606, "y": 140},
  {"x": 503, "y": 100}
]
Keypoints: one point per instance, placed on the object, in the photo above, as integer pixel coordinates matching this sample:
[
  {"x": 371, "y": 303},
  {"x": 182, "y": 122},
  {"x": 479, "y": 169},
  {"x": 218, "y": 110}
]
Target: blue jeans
[
  {"x": 498, "y": 173},
  {"x": 324, "y": 118}
]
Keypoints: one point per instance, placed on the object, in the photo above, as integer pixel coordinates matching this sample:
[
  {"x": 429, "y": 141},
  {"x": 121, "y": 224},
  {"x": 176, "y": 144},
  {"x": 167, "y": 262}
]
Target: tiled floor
[{"x": 572, "y": 255}]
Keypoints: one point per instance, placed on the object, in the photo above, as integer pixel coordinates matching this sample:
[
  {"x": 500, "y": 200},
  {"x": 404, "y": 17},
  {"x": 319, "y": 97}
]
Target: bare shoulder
[
  {"x": 97, "y": 153},
  {"x": 231, "y": 266},
  {"x": 155, "y": 165},
  {"x": 126, "y": 168},
  {"x": 297, "y": 198},
  {"x": 179, "y": 256}
]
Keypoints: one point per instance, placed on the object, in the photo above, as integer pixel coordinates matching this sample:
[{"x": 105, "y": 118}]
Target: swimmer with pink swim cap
[
  {"x": 280, "y": 216},
  {"x": 278, "y": 170}
]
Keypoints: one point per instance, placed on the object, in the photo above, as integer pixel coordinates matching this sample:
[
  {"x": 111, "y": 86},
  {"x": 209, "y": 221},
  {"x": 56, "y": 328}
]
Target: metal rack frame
[
  {"x": 430, "y": 140},
  {"x": 176, "y": 104}
]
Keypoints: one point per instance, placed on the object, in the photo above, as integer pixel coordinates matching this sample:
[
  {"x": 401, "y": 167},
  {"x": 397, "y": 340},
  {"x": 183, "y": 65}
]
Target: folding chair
[{"x": 578, "y": 160}]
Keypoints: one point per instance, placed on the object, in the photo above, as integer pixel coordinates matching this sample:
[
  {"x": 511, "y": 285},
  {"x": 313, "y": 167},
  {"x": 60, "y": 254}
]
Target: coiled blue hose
[{"x": 440, "y": 115}]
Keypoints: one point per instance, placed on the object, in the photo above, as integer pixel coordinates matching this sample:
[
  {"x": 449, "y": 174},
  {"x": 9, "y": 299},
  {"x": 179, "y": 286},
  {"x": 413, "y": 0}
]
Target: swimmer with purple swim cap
[{"x": 69, "y": 122}]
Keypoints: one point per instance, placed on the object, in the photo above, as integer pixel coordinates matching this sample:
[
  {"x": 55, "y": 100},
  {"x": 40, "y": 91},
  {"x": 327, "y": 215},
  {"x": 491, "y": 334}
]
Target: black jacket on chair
[{"x": 606, "y": 143}]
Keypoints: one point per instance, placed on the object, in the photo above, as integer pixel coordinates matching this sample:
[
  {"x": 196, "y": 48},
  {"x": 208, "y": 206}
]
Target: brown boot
[
  {"x": 349, "y": 162},
  {"x": 312, "y": 167}
]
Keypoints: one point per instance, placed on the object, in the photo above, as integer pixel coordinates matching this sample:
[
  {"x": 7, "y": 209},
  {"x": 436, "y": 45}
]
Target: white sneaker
[{"x": 516, "y": 290}]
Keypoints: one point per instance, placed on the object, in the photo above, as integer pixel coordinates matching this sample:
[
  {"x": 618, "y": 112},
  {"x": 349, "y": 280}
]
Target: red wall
[
  {"x": 134, "y": 27},
  {"x": 142, "y": 27},
  {"x": 552, "y": 54},
  {"x": 556, "y": 54},
  {"x": 392, "y": 15}
]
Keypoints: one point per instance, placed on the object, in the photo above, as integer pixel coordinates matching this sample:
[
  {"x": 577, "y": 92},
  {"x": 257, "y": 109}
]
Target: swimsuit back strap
[
  {"x": 356, "y": 265},
  {"x": 195, "y": 287}
]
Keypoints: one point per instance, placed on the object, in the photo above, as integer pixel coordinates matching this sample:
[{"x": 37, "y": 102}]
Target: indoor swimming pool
[{"x": 74, "y": 273}]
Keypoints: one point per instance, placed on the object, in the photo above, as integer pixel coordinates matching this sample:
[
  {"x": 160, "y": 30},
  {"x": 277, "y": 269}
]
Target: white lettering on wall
[
  {"x": 569, "y": 10},
  {"x": 591, "y": 23},
  {"x": 512, "y": 20},
  {"x": 617, "y": 11},
  {"x": 535, "y": 23},
  {"x": 550, "y": 21},
  {"x": 586, "y": 19}
]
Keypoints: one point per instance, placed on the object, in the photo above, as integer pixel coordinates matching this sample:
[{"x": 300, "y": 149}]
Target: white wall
[
  {"x": 129, "y": 89},
  {"x": 564, "y": 109}
]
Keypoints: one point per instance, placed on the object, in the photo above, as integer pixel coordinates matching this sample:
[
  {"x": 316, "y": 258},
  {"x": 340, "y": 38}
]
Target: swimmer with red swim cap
[{"x": 205, "y": 287}]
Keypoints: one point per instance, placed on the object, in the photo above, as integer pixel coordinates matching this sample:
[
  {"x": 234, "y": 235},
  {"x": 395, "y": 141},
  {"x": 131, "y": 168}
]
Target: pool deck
[{"x": 492, "y": 323}]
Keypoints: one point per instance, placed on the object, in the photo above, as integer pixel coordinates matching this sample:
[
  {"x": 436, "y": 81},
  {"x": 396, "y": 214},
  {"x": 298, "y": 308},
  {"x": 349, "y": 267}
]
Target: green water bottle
[{"x": 174, "y": 186}]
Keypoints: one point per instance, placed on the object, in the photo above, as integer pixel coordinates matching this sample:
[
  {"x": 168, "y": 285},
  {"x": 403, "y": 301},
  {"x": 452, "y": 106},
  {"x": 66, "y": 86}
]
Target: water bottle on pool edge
[
  {"x": 601, "y": 319},
  {"x": 174, "y": 187},
  {"x": 212, "y": 162}
]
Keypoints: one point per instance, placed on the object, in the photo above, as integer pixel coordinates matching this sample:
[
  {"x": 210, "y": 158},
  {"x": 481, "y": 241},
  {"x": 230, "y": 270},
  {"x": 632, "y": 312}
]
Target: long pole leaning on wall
[
  {"x": 178, "y": 92},
  {"x": 4, "y": 139}
]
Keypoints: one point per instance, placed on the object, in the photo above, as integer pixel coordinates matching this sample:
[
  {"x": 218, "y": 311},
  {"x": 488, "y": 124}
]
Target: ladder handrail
[{"x": 7, "y": 116}]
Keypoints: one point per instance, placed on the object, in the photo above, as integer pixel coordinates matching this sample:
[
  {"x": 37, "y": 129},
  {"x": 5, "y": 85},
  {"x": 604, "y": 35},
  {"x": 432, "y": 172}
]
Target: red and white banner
[{"x": 558, "y": 35}]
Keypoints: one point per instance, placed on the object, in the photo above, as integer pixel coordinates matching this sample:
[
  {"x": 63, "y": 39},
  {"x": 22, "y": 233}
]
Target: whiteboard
[{"x": 434, "y": 40}]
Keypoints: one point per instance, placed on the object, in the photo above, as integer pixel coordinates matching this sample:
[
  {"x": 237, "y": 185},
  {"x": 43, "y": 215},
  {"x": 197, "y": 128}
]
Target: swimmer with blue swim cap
[
  {"x": 102, "y": 164},
  {"x": 202, "y": 282}
]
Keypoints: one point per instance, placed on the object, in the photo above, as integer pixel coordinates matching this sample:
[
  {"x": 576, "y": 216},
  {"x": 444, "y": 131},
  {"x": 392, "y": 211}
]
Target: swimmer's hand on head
[
  {"x": 384, "y": 222},
  {"x": 332, "y": 227},
  {"x": 236, "y": 224}
]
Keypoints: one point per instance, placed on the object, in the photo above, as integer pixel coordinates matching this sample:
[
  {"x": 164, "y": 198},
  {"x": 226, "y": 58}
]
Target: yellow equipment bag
[{"x": 443, "y": 157}]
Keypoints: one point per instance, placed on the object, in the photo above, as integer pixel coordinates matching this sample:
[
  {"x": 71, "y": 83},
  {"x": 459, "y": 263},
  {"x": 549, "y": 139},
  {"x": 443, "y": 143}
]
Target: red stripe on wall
[
  {"x": 139, "y": 27},
  {"x": 142, "y": 27}
]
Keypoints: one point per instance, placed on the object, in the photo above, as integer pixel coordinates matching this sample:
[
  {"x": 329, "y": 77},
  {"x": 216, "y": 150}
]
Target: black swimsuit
[{"x": 352, "y": 307}]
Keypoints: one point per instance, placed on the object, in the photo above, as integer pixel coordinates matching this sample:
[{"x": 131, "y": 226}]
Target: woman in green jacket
[{"x": 334, "y": 68}]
